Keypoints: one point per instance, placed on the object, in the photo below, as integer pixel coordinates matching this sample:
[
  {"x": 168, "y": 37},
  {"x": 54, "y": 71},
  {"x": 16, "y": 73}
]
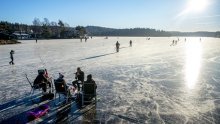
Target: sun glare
[
  {"x": 193, "y": 63},
  {"x": 197, "y": 5},
  {"x": 194, "y": 6}
]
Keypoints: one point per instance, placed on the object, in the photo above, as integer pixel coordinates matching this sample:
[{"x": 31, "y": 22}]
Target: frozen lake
[{"x": 150, "y": 81}]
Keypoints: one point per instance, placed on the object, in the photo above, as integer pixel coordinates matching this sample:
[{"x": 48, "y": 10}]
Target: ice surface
[{"x": 152, "y": 81}]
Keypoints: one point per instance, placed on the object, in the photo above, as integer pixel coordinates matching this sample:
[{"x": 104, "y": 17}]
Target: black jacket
[
  {"x": 80, "y": 76},
  {"x": 91, "y": 82},
  {"x": 40, "y": 79}
]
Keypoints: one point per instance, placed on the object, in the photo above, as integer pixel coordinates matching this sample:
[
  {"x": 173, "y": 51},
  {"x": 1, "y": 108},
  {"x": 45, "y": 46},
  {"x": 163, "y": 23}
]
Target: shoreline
[{"x": 6, "y": 42}]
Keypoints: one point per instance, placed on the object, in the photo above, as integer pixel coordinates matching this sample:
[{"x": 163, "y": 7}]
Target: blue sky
[{"x": 158, "y": 14}]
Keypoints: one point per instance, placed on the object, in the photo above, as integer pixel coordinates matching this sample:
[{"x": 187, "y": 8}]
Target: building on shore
[{"x": 20, "y": 35}]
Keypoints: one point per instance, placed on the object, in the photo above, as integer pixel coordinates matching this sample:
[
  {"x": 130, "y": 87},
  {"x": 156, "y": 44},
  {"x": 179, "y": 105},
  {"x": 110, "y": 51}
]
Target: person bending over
[{"x": 42, "y": 82}]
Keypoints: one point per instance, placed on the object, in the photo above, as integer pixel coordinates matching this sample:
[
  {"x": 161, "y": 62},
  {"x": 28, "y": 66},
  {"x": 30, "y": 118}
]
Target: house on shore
[
  {"x": 20, "y": 35},
  {"x": 5, "y": 38}
]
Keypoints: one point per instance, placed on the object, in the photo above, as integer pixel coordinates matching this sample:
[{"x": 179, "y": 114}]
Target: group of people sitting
[{"x": 43, "y": 81}]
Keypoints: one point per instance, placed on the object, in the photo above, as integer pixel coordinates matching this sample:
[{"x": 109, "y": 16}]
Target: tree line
[
  {"x": 102, "y": 31},
  {"x": 146, "y": 32},
  {"x": 43, "y": 29}
]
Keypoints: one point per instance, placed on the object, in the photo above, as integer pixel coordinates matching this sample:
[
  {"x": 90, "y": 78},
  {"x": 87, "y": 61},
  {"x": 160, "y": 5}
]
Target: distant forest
[
  {"x": 101, "y": 31},
  {"x": 45, "y": 29},
  {"x": 145, "y": 32}
]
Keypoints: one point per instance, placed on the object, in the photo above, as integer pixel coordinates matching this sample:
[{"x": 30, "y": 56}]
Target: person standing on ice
[
  {"x": 173, "y": 42},
  {"x": 117, "y": 46},
  {"x": 12, "y": 58},
  {"x": 85, "y": 39},
  {"x": 130, "y": 43}
]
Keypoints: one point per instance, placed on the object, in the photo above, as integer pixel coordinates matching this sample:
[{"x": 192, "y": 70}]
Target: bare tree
[
  {"x": 37, "y": 23},
  {"x": 60, "y": 23},
  {"x": 61, "y": 29},
  {"x": 53, "y": 23},
  {"x": 81, "y": 31},
  {"x": 46, "y": 22}
]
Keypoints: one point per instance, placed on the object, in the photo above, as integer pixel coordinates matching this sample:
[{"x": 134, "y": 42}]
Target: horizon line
[{"x": 123, "y": 28}]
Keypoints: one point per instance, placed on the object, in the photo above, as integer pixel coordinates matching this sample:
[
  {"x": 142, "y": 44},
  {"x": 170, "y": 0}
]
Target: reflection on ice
[{"x": 193, "y": 63}]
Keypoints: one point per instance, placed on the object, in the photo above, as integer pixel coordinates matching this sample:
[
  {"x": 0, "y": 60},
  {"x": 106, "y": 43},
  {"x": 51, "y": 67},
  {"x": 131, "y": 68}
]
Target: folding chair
[
  {"x": 89, "y": 93},
  {"x": 60, "y": 88}
]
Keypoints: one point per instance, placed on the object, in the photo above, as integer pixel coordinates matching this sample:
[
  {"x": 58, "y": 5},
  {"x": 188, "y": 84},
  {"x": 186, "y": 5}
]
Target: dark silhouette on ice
[
  {"x": 12, "y": 58},
  {"x": 130, "y": 43},
  {"x": 117, "y": 46}
]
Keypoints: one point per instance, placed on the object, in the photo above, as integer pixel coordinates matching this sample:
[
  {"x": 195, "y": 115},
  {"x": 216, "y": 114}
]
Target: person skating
[
  {"x": 117, "y": 46},
  {"x": 173, "y": 43},
  {"x": 12, "y": 58},
  {"x": 130, "y": 43},
  {"x": 85, "y": 39}
]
